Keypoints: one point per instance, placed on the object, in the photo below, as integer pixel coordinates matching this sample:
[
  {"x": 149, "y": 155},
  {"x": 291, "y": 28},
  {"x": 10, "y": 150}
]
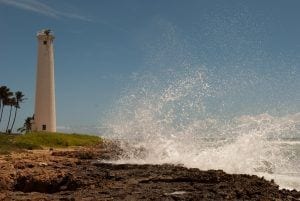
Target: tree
[
  {"x": 5, "y": 95},
  {"x": 11, "y": 102},
  {"x": 26, "y": 126},
  {"x": 19, "y": 99}
]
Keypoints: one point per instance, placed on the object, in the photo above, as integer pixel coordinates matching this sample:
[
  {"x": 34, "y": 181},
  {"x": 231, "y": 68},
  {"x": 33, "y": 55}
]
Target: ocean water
[{"x": 166, "y": 121}]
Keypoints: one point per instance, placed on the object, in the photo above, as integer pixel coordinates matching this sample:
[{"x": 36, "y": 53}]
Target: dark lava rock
[
  {"x": 28, "y": 183},
  {"x": 70, "y": 176}
]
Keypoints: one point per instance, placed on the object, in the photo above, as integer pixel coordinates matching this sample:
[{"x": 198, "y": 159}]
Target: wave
[{"x": 165, "y": 121}]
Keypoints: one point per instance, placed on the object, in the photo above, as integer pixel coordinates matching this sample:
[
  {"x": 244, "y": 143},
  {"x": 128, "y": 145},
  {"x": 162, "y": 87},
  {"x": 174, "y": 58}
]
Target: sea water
[{"x": 166, "y": 121}]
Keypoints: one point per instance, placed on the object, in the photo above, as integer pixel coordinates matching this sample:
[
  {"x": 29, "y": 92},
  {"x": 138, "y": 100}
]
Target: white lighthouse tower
[{"x": 45, "y": 112}]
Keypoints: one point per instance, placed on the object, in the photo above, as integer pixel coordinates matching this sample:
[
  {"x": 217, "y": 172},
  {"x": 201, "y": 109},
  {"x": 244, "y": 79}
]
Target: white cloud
[{"x": 42, "y": 8}]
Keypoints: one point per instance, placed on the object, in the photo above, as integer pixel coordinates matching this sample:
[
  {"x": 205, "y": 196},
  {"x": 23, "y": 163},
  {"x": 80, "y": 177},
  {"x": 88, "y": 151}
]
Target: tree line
[{"x": 12, "y": 100}]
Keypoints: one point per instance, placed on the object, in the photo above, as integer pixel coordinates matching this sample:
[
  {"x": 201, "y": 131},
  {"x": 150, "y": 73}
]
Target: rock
[
  {"x": 43, "y": 164},
  {"x": 76, "y": 174}
]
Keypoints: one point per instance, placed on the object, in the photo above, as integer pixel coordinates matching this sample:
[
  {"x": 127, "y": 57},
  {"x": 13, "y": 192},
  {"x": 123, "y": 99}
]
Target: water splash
[{"x": 165, "y": 121}]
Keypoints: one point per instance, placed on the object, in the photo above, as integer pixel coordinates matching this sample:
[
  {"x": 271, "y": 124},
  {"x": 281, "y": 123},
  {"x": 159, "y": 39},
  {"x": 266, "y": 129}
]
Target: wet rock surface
[{"x": 83, "y": 174}]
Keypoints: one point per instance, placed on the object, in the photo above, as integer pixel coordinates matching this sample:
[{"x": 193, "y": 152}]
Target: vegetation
[
  {"x": 40, "y": 140},
  {"x": 19, "y": 96},
  {"x": 27, "y": 126},
  {"x": 13, "y": 100},
  {"x": 32, "y": 140}
]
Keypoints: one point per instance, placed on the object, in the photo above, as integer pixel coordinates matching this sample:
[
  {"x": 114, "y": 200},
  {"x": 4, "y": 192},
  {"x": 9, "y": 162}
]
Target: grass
[{"x": 40, "y": 140}]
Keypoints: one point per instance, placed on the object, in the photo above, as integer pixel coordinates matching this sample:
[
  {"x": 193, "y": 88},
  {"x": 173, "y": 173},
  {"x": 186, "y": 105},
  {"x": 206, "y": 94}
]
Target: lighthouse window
[
  {"x": 45, "y": 42},
  {"x": 44, "y": 127}
]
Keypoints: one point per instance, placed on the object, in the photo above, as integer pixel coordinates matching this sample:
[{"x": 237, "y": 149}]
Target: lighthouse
[{"x": 45, "y": 112}]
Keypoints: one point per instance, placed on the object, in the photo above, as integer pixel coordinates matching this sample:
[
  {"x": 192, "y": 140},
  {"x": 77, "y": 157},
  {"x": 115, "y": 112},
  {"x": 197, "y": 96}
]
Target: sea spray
[{"x": 165, "y": 121}]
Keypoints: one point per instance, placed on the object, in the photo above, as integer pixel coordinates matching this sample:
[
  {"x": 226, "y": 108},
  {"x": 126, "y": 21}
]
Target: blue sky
[{"x": 249, "y": 50}]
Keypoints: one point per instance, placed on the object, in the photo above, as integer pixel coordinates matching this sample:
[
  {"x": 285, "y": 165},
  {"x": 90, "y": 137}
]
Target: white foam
[
  {"x": 164, "y": 123},
  {"x": 284, "y": 180}
]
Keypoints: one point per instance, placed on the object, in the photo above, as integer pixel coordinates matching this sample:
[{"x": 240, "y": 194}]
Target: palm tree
[
  {"x": 19, "y": 99},
  {"x": 11, "y": 102},
  {"x": 26, "y": 126},
  {"x": 3, "y": 95}
]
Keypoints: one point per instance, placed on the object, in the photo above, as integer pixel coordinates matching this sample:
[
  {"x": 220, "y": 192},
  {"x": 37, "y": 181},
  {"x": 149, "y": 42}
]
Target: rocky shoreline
[{"x": 82, "y": 174}]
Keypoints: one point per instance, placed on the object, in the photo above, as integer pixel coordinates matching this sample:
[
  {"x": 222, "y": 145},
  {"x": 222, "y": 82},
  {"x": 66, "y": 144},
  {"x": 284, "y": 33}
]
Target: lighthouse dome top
[{"x": 45, "y": 33}]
